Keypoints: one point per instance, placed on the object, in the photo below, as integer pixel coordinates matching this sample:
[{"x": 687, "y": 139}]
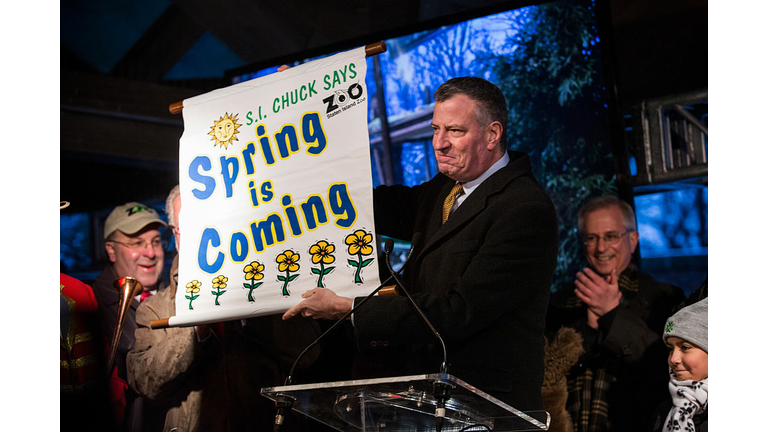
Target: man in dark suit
[{"x": 482, "y": 276}]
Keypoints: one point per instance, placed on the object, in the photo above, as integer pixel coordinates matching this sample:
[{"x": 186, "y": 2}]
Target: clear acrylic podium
[{"x": 405, "y": 404}]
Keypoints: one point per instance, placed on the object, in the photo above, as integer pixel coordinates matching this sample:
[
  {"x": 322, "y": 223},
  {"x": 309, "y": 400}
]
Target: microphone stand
[
  {"x": 440, "y": 390},
  {"x": 284, "y": 402}
]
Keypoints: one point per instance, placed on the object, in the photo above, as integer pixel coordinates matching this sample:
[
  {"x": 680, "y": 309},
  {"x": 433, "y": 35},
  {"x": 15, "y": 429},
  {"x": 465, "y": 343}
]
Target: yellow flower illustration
[
  {"x": 288, "y": 261},
  {"x": 253, "y": 271},
  {"x": 359, "y": 243},
  {"x": 322, "y": 251},
  {"x": 219, "y": 283},
  {"x": 193, "y": 288}
]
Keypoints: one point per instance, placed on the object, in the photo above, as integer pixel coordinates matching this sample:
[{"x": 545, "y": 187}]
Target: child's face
[{"x": 687, "y": 361}]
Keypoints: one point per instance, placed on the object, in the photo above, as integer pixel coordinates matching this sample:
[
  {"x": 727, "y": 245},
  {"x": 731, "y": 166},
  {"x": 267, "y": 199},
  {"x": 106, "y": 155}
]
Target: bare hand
[
  {"x": 601, "y": 295},
  {"x": 320, "y": 303},
  {"x": 592, "y": 318}
]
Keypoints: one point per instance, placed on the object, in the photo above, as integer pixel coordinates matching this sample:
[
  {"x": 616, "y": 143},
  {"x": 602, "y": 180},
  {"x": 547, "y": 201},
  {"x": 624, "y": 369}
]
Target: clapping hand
[{"x": 600, "y": 294}]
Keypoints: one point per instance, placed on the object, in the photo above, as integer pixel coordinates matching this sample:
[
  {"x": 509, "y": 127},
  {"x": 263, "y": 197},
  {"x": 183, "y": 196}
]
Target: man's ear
[
  {"x": 634, "y": 238},
  {"x": 493, "y": 134},
  {"x": 110, "y": 251}
]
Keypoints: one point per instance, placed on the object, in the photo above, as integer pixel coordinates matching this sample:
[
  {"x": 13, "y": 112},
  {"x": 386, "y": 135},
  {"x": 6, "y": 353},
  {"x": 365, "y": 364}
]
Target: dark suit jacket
[
  {"x": 138, "y": 415},
  {"x": 108, "y": 299},
  {"x": 483, "y": 279}
]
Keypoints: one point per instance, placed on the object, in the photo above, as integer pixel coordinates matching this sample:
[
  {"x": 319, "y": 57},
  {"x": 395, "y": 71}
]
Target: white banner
[{"x": 276, "y": 192}]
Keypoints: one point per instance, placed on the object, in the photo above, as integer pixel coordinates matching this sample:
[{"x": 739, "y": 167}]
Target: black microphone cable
[{"x": 441, "y": 390}]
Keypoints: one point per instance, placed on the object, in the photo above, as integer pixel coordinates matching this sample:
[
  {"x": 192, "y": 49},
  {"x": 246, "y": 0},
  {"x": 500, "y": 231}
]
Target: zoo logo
[{"x": 341, "y": 98}]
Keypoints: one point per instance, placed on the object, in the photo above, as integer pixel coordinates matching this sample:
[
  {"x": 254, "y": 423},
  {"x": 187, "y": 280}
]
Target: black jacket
[{"x": 483, "y": 280}]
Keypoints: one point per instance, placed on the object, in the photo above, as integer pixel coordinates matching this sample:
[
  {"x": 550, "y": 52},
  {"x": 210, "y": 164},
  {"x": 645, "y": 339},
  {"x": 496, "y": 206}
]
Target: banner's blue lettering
[
  {"x": 238, "y": 247},
  {"x": 342, "y": 205},
  {"x": 210, "y": 237},
  {"x": 287, "y": 141},
  {"x": 253, "y": 193},
  {"x": 248, "y": 152},
  {"x": 312, "y": 132},
  {"x": 266, "y": 149},
  {"x": 314, "y": 212},
  {"x": 230, "y": 167},
  {"x": 291, "y": 214},
  {"x": 267, "y": 232},
  {"x": 266, "y": 191},
  {"x": 195, "y": 175}
]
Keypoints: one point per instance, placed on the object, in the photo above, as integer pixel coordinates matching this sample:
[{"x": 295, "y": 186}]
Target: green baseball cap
[{"x": 130, "y": 218}]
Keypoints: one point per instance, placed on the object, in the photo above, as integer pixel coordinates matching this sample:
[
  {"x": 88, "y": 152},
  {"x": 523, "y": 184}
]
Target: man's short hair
[
  {"x": 175, "y": 192},
  {"x": 608, "y": 201},
  {"x": 490, "y": 100}
]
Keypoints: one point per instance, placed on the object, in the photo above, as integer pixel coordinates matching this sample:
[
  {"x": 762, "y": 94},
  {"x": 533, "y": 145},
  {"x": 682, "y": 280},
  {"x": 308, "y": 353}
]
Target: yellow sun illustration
[{"x": 224, "y": 130}]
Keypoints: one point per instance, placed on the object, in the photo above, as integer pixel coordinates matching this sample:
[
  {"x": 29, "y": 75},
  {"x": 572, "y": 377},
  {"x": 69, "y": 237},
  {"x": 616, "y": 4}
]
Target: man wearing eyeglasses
[
  {"x": 208, "y": 377},
  {"x": 619, "y": 312},
  {"x": 134, "y": 247}
]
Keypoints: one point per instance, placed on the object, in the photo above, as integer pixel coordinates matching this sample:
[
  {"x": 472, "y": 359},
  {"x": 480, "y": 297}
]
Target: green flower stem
[
  {"x": 252, "y": 287},
  {"x": 359, "y": 266},
  {"x": 285, "y": 283},
  {"x": 217, "y": 294},
  {"x": 320, "y": 278}
]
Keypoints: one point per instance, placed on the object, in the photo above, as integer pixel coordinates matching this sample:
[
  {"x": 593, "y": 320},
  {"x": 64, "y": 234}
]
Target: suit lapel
[{"x": 476, "y": 202}]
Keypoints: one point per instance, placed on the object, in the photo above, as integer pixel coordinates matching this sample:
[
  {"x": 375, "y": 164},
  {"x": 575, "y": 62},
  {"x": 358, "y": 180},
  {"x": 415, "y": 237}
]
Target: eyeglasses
[
  {"x": 142, "y": 244},
  {"x": 610, "y": 238}
]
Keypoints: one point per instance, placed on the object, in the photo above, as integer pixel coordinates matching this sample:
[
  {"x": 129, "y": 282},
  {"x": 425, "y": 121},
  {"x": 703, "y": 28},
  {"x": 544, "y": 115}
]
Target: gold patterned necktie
[{"x": 450, "y": 199}]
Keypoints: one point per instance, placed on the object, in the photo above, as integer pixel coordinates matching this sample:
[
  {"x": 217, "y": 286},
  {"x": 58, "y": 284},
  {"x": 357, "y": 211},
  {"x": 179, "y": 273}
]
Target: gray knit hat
[{"x": 690, "y": 323}]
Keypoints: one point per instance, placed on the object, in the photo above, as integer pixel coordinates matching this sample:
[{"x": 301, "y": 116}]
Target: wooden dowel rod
[
  {"x": 159, "y": 323},
  {"x": 389, "y": 290},
  {"x": 370, "y": 50},
  {"x": 375, "y": 48},
  {"x": 176, "y": 107}
]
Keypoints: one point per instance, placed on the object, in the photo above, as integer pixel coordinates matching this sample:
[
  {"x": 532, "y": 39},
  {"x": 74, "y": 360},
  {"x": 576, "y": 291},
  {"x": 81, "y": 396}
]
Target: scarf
[
  {"x": 688, "y": 399},
  {"x": 589, "y": 390}
]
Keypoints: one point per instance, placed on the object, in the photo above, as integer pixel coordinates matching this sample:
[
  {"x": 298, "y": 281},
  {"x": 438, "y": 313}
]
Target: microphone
[
  {"x": 284, "y": 402},
  {"x": 440, "y": 389}
]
